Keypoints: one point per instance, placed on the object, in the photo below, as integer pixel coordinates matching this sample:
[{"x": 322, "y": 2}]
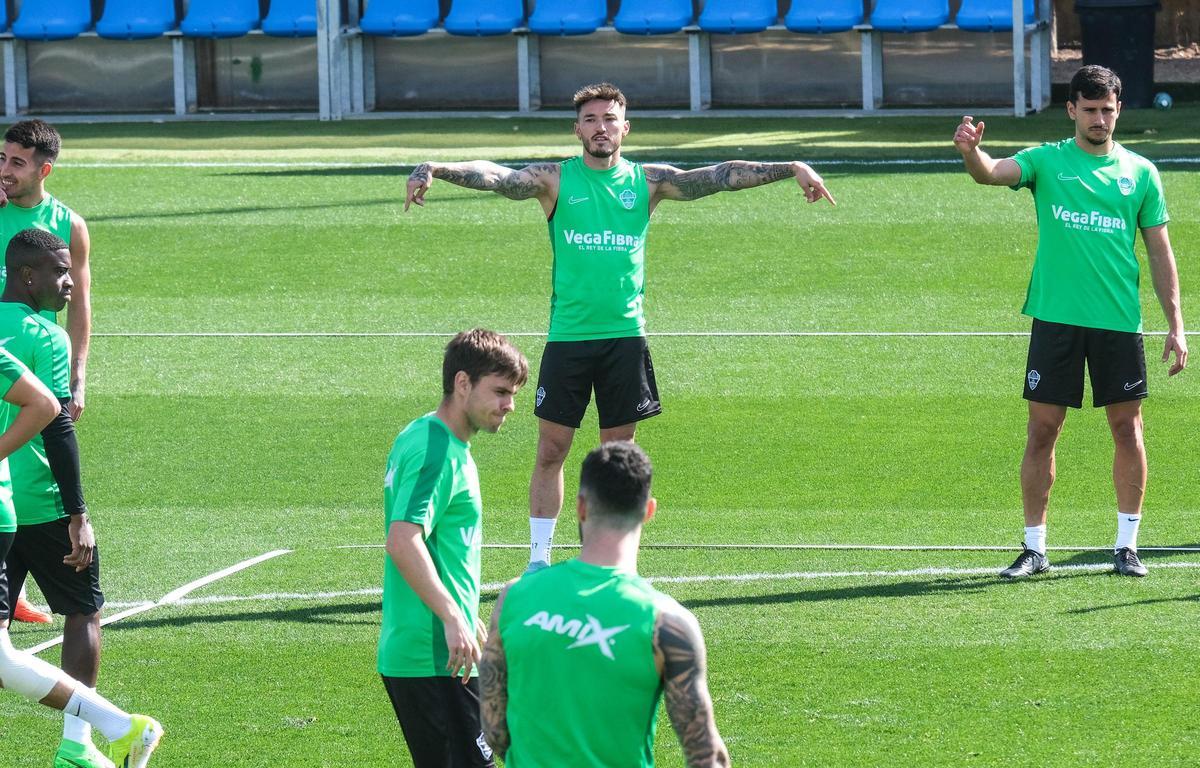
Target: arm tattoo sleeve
[
  {"x": 685, "y": 689},
  {"x": 493, "y": 687},
  {"x": 724, "y": 177},
  {"x": 490, "y": 177}
]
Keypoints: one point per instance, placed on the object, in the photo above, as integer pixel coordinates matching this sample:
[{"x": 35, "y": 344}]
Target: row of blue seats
[{"x": 139, "y": 19}]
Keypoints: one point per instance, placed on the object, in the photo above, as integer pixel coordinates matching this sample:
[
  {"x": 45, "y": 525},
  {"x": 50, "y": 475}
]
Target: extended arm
[
  {"x": 62, "y": 454},
  {"x": 406, "y": 548},
  {"x": 1166, "y": 285},
  {"x": 539, "y": 180},
  {"x": 79, "y": 312},
  {"x": 982, "y": 167},
  {"x": 669, "y": 183},
  {"x": 493, "y": 685},
  {"x": 679, "y": 646}
]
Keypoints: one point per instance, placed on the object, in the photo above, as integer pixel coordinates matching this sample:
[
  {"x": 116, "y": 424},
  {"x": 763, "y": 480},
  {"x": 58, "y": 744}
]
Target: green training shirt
[
  {"x": 583, "y": 688},
  {"x": 11, "y": 369},
  {"x": 1089, "y": 209},
  {"x": 598, "y": 236},
  {"x": 45, "y": 349},
  {"x": 50, "y": 215},
  {"x": 430, "y": 481}
]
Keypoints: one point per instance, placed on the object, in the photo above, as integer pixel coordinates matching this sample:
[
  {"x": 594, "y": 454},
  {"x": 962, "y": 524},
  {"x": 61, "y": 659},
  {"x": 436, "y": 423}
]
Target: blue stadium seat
[
  {"x": 735, "y": 17},
  {"x": 484, "y": 17},
  {"x": 136, "y": 19},
  {"x": 910, "y": 15},
  {"x": 653, "y": 17},
  {"x": 568, "y": 17},
  {"x": 823, "y": 16},
  {"x": 399, "y": 18},
  {"x": 291, "y": 18},
  {"x": 220, "y": 18},
  {"x": 52, "y": 19},
  {"x": 989, "y": 15}
]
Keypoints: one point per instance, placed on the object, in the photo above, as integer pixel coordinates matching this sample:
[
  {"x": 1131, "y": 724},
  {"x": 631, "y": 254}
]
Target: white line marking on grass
[
  {"x": 851, "y": 547},
  {"x": 400, "y": 163},
  {"x": 702, "y": 578},
  {"x": 174, "y": 596},
  {"x": 535, "y": 334}
]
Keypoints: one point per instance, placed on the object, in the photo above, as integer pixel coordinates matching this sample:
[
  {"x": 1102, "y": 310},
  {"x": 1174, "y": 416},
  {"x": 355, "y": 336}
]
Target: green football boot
[{"x": 72, "y": 754}]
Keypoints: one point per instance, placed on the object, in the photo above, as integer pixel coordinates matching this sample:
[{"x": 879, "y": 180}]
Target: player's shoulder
[
  {"x": 422, "y": 437},
  {"x": 1140, "y": 162}
]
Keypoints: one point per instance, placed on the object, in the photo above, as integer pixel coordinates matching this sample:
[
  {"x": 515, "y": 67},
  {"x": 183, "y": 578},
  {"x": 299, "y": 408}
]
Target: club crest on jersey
[
  {"x": 1032, "y": 378},
  {"x": 1126, "y": 185},
  {"x": 540, "y": 396},
  {"x": 628, "y": 197}
]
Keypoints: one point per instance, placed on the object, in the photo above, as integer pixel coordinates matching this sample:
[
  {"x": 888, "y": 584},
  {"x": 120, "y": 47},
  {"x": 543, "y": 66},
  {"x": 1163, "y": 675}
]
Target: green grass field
[{"x": 203, "y": 451}]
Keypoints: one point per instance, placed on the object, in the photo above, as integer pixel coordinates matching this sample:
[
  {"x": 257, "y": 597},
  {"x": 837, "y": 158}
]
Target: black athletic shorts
[
  {"x": 440, "y": 720},
  {"x": 620, "y": 371},
  {"x": 1116, "y": 363},
  {"x": 6, "y": 605},
  {"x": 38, "y": 550}
]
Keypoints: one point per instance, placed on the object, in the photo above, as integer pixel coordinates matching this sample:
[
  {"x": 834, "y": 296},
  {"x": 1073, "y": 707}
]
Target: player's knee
[
  {"x": 1043, "y": 433},
  {"x": 1128, "y": 432},
  {"x": 552, "y": 453}
]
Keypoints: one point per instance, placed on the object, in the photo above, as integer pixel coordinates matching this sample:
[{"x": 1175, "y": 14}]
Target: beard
[
  {"x": 1089, "y": 137},
  {"x": 606, "y": 151}
]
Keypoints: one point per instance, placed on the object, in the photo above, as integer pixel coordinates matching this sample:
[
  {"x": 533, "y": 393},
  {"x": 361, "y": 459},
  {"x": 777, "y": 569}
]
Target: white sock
[
  {"x": 541, "y": 537},
  {"x": 1127, "y": 530},
  {"x": 1035, "y": 538},
  {"x": 76, "y": 730},
  {"x": 99, "y": 711}
]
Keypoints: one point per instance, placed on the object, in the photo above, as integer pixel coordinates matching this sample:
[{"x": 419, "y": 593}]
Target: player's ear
[
  {"x": 580, "y": 508},
  {"x": 44, "y": 171},
  {"x": 651, "y": 508},
  {"x": 462, "y": 383}
]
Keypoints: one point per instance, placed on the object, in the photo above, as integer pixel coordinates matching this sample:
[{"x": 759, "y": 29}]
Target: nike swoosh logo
[
  {"x": 1134, "y": 384},
  {"x": 1132, "y": 519},
  {"x": 5, "y": 340},
  {"x": 643, "y": 406},
  {"x": 1064, "y": 177},
  {"x": 576, "y": 200}
]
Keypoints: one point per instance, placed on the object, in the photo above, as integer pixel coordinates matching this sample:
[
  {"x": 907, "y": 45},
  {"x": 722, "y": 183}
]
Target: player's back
[{"x": 583, "y": 688}]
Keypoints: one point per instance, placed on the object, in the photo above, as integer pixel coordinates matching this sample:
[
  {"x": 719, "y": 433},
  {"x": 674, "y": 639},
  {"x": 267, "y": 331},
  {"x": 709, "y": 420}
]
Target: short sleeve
[
  {"x": 1026, "y": 159},
  {"x": 418, "y": 483},
  {"x": 1154, "y": 204}
]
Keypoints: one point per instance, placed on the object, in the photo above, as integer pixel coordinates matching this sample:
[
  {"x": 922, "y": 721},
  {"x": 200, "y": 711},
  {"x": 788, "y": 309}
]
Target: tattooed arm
[
  {"x": 493, "y": 685},
  {"x": 669, "y": 183},
  {"x": 679, "y": 649},
  {"x": 539, "y": 180}
]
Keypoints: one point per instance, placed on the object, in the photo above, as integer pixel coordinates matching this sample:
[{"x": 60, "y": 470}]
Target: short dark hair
[
  {"x": 39, "y": 135},
  {"x": 1094, "y": 82},
  {"x": 602, "y": 91},
  {"x": 481, "y": 352},
  {"x": 615, "y": 481},
  {"x": 28, "y": 247}
]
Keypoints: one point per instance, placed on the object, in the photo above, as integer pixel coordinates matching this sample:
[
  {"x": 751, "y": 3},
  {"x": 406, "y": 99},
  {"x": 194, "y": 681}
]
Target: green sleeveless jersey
[
  {"x": 598, "y": 235},
  {"x": 11, "y": 369},
  {"x": 1089, "y": 209},
  {"x": 583, "y": 688},
  {"x": 45, "y": 349},
  {"x": 431, "y": 481}
]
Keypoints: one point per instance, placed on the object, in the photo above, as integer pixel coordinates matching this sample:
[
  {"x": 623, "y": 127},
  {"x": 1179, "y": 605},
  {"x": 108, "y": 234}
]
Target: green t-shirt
[
  {"x": 45, "y": 349},
  {"x": 50, "y": 215},
  {"x": 1088, "y": 210},
  {"x": 583, "y": 688},
  {"x": 598, "y": 235},
  {"x": 11, "y": 369},
  {"x": 431, "y": 481}
]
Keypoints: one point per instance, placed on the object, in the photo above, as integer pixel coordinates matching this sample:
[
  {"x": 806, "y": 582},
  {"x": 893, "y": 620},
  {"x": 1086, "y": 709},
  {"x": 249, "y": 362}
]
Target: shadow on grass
[
  {"x": 905, "y": 589},
  {"x": 363, "y": 613},
  {"x": 233, "y": 211},
  {"x": 1149, "y": 558}
]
